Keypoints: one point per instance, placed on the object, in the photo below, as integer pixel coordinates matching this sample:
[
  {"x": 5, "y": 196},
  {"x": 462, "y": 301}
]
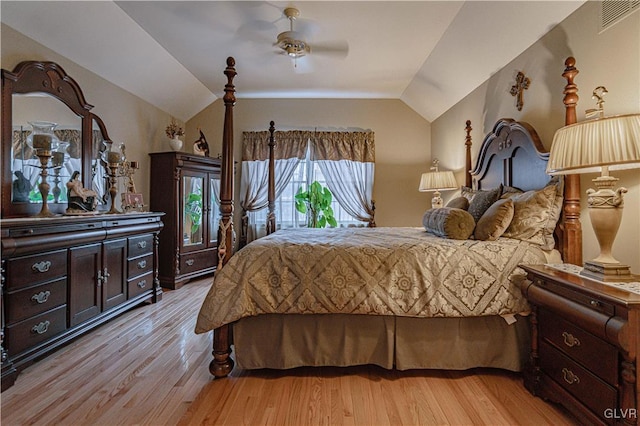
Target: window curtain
[
  {"x": 289, "y": 150},
  {"x": 347, "y": 161}
]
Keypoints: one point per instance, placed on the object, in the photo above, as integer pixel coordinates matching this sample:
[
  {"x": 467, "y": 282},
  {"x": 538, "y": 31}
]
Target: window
[{"x": 286, "y": 214}]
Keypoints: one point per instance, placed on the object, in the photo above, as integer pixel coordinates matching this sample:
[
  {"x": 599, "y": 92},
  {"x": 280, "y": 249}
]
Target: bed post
[
  {"x": 572, "y": 228},
  {"x": 222, "y": 364},
  {"x": 271, "y": 194},
  {"x": 467, "y": 143}
]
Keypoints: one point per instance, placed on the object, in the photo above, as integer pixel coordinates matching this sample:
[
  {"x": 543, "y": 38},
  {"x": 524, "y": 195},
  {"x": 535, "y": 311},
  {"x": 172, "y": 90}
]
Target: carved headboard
[{"x": 513, "y": 155}]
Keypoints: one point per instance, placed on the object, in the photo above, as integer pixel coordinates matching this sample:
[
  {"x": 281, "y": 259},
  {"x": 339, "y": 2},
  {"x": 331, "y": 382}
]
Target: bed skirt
[{"x": 289, "y": 341}]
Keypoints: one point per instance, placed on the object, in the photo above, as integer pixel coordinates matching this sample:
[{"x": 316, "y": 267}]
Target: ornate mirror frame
[{"x": 47, "y": 78}]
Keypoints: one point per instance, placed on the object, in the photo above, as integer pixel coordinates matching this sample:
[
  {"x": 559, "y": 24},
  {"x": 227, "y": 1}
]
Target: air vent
[{"x": 613, "y": 11}]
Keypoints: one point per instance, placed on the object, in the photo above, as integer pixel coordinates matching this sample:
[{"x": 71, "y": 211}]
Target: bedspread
[{"x": 374, "y": 271}]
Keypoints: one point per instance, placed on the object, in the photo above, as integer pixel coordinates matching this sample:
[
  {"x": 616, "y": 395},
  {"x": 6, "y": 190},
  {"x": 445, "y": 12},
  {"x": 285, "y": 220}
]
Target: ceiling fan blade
[
  {"x": 303, "y": 65},
  {"x": 338, "y": 49}
]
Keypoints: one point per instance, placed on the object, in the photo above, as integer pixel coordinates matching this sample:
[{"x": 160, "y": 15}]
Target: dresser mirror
[{"x": 39, "y": 97}]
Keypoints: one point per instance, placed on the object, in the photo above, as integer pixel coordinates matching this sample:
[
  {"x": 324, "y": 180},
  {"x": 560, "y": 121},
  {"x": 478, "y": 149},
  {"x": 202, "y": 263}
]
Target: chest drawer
[
  {"x": 30, "y": 332},
  {"x": 595, "y": 354},
  {"x": 35, "y": 300},
  {"x": 140, "y": 265},
  {"x": 139, "y": 285},
  {"x": 190, "y": 262},
  {"x": 585, "y": 386},
  {"x": 140, "y": 245},
  {"x": 30, "y": 270}
]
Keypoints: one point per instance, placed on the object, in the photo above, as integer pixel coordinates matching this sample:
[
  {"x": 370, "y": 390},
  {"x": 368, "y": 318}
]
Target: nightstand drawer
[
  {"x": 586, "y": 387},
  {"x": 593, "y": 353},
  {"x": 35, "y": 300},
  {"x": 30, "y": 270}
]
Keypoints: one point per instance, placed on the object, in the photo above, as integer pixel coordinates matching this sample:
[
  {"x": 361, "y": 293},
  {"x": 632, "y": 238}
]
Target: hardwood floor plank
[{"x": 149, "y": 367}]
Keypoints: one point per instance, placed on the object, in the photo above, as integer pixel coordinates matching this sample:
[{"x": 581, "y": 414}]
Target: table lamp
[
  {"x": 600, "y": 145},
  {"x": 436, "y": 181}
]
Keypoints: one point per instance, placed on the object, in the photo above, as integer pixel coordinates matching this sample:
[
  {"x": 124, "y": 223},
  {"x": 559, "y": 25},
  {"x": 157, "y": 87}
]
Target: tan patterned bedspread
[{"x": 376, "y": 271}]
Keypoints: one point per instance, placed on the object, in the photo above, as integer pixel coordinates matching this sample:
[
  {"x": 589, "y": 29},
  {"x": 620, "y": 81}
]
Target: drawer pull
[
  {"x": 142, "y": 244},
  {"x": 595, "y": 303},
  {"x": 190, "y": 262},
  {"x": 569, "y": 376},
  {"x": 41, "y": 297},
  {"x": 142, "y": 264},
  {"x": 41, "y": 328},
  {"x": 570, "y": 340},
  {"x": 41, "y": 267},
  {"x": 142, "y": 284}
]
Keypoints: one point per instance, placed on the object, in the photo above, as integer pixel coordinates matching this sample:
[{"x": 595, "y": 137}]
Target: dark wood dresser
[
  {"x": 64, "y": 276},
  {"x": 584, "y": 346},
  {"x": 183, "y": 186}
]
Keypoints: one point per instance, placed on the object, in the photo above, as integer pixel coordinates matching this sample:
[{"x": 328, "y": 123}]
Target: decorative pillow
[
  {"x": 536, "y": 214},
  {"x": 482, "y": 200},
  {"x": 449, "y": 222},
  {"x": 459, "y": 203},
  {"x": 467, "y": 192},
  {"x": 494, "y": 221},
  {"x": 510, "y": 191}
]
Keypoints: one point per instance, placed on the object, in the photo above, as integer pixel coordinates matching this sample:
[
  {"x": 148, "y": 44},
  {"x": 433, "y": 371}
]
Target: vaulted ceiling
[{"x": 429, "y": 54}]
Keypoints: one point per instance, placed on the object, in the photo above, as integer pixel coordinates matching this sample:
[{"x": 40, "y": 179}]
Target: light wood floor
[{"x": 148, "y": 367}]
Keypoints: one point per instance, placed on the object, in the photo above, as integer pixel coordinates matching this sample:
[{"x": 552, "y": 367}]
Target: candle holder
[
  {"x": 43, "y": 142},
  {"x": 57, "y": 161},
  {"x": 114, "y": 157},
  {"x": 44, "y": 155},
  {"x": 112, "y": 172}
]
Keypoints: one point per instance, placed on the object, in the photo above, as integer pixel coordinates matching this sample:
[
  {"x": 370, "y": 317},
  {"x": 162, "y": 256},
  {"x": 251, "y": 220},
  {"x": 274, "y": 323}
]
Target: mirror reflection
[
  {"x": 193, "y": 208},
  {"x": 60, "y": 130}
]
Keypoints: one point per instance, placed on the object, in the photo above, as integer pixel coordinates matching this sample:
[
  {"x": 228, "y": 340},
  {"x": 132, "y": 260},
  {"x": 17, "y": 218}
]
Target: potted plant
[
  {"x": 173, "y": 131},
  {"x": 316, "y": 204},
  {"x": 193, "y": 210}
]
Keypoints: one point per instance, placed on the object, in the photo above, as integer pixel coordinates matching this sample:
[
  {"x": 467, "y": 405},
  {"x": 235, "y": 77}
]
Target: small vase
[{"x": 175, "y": 143}]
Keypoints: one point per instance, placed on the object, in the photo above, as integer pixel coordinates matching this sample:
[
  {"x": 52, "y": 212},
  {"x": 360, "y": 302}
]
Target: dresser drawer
[
  {"x": 586, "y": 387},
  {"x": 595, "y": 354},
  {"x": 35, "y": 300},
  {"x": 30, "y": 332},
  {"x": 192, "y": 262},
  {"x": 139, "y": 266},
  {"x": 140, "y": 245},
  {"x": 29, "y": 270},
  {"x": 140, "y": 284}
]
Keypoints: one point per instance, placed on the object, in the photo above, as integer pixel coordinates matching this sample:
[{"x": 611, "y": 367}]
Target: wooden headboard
[{"x": 513, "y": 155}]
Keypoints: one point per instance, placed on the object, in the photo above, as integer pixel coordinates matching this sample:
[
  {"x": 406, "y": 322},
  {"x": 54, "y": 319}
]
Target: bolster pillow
[{"x": 448, "y": 222}]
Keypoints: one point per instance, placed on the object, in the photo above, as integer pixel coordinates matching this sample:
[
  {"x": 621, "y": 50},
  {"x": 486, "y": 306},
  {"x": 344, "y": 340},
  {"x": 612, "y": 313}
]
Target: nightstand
[{"x": 584, "y": 345}]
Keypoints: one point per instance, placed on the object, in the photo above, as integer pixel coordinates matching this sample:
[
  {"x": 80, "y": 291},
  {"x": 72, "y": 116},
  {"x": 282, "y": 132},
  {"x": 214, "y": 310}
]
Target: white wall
[
  {"x": 611, "y": 59},
  {"x": 128, "y": 119},
  {"x": 401, "y": 138}
]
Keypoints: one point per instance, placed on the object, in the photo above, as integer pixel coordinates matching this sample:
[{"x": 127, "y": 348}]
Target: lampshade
[
  {"x": 587, "y": 146},
  {"x": 437, "y": 181},
  {"x": 601, "y": 145}
]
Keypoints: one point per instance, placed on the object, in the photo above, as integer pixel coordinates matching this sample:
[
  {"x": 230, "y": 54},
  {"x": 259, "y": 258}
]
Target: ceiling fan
[{"x": 293, "y": 44}]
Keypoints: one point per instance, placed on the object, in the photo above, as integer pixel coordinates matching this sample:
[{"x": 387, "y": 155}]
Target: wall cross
[{"x": 522, "y": 83}]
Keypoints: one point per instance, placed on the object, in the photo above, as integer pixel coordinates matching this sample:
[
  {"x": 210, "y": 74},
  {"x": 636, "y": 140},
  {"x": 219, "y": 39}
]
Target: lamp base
[{"x": 608, "y": 272}]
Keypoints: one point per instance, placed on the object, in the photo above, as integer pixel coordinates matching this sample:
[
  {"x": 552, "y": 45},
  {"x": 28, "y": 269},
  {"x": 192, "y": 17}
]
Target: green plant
[
  {"x": 193, "y": 209},
  {"x": 316, "y": 204}
]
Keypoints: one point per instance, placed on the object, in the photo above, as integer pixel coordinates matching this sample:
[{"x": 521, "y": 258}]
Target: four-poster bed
[{"x": 295, "y": 334}]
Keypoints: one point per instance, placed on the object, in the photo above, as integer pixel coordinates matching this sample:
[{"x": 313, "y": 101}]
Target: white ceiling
[{"x": 429, "y": 54}]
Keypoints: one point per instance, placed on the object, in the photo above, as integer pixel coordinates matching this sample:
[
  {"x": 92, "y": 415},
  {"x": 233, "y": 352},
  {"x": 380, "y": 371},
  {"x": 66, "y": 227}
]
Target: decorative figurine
[
  {"x": 81, "y": 200},
  {"x": 21, "y": 188},
  {"x": 200, "y": 146}
]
